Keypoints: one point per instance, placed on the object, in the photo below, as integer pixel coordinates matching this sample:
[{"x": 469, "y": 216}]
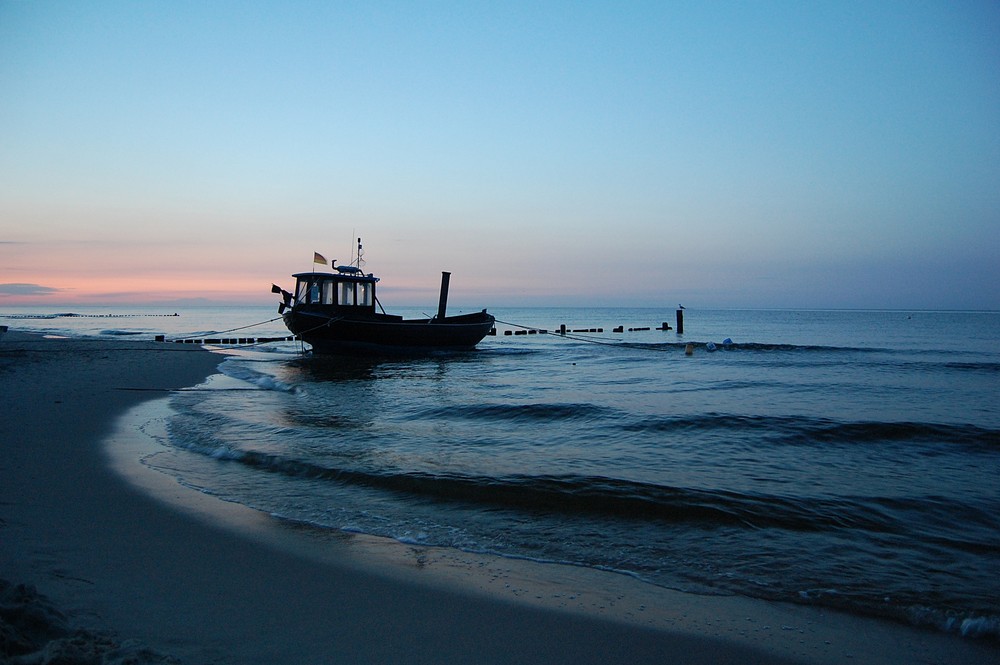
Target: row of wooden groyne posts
[
  {"x": 620, "y": 329},
  {"x": 564, "y": 330},
  {"x": 227, "y": 340}
]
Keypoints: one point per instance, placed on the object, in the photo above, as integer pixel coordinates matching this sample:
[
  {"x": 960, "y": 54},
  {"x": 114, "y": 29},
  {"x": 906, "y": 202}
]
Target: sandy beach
[{"x": 106, "y": 562}]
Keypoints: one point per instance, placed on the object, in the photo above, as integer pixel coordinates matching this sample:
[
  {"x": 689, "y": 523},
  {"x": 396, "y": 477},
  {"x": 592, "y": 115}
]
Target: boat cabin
[{"x": 348, "y": 287}]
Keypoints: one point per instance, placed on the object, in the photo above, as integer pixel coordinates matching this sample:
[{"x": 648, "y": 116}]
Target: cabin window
[
  {"x": 346, "y": 294},
  {"x": 328, "y": 293},
  {"x": 307, "y": 292},
  {"x": 364, "y": 294}
]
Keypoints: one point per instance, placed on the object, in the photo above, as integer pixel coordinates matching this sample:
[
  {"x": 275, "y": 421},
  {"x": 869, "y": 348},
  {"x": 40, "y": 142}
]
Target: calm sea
[{"x": 834, "y": 458}]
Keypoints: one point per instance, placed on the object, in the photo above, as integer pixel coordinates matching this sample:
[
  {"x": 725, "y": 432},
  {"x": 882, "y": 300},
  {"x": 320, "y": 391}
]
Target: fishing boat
[{"x": 335, "y": 312}]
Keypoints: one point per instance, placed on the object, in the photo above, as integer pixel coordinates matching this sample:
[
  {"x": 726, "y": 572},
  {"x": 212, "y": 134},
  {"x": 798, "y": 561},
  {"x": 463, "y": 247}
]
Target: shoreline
[{"x": 206, "y": 581}]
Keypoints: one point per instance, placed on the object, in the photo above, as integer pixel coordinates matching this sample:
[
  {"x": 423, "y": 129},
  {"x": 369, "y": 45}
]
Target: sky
[{"x": 721, "y": 154}]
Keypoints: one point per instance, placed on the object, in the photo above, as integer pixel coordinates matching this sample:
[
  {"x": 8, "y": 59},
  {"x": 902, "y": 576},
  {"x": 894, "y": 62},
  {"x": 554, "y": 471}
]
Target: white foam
[
  {"x": 241, "y": 372},
  {"x": 977, "y": 626},
  {"x": 417, "y": 539},
  {"x": 271, "y": 383},
  {"x": 225, "y": 453}
]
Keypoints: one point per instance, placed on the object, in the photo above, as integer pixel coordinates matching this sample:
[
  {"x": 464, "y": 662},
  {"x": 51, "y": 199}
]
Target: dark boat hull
[{"x": 332, "y": 333}]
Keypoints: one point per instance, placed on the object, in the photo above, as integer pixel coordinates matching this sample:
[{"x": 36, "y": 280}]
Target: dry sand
[{"x": 124, "y": 577}]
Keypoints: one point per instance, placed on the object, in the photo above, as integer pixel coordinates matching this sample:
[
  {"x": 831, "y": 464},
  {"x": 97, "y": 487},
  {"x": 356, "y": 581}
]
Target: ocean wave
[
  {"x": 608, "y": 497},
  {"x": 865, "y": 432},
  {"x": 985, "y": 367},
  {"x": 799, "y": 430},
  {"x": 517, "y": 412}
]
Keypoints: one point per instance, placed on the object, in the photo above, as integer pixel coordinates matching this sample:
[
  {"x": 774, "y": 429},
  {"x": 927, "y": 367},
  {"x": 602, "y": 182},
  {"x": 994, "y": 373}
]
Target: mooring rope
[
  {"x": 329, "y": 320},
  {"x": 219, "y": 332}
]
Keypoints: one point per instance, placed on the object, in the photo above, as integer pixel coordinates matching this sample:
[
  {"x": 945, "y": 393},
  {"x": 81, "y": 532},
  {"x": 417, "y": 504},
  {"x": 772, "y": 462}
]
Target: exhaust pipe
[{"x": 443, "y": 301}]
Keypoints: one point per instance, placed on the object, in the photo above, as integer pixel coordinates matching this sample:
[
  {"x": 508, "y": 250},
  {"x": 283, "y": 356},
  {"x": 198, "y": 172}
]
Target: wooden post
[{"x": 680, "y": 322}]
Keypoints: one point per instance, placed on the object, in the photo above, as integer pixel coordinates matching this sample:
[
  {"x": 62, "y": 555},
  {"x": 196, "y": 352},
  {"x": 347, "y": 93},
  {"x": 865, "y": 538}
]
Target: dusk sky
[{"x": 721, "y": 154}]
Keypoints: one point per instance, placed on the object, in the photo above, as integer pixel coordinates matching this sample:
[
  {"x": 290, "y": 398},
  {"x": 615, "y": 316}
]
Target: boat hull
[{"x": 328, "y": 332}]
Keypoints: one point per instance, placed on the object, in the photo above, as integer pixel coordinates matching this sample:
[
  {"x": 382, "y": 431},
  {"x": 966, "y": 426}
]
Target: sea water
[{"x": 838, "y": 459}]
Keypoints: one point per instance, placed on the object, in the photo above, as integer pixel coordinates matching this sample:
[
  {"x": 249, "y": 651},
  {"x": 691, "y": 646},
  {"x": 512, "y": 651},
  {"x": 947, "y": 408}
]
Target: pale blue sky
[{"x": 749, "y": 154}]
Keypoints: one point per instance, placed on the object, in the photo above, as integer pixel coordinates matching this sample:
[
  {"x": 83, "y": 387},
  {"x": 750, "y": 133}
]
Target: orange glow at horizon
[{"x": 143, "y": 289}]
